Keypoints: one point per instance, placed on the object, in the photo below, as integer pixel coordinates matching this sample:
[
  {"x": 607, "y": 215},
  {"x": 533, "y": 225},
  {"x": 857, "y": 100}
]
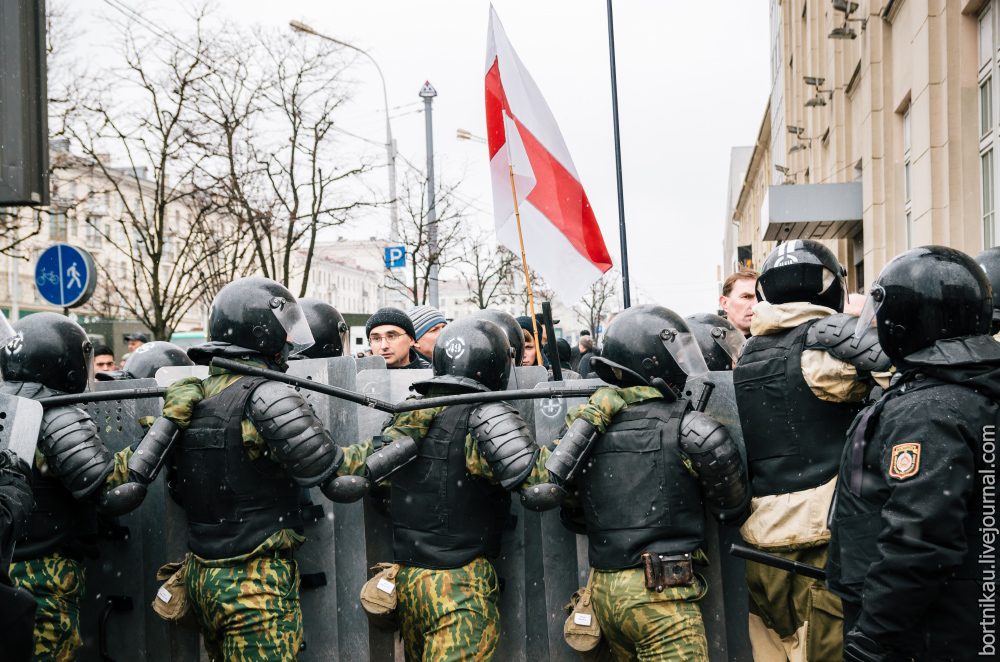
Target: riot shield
[
  {"x": 20, "y": 421},
  {"x": 116, "y": 619},
  {"x": 167, "y": 375},
  {"x": 334, "y": 628},
  {"x": 726, "y": 611},
  {"x": 564, "y": 554}
]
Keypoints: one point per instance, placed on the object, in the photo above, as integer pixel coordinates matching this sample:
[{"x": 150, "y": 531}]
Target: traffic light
[{"x": 24, "y": 151}]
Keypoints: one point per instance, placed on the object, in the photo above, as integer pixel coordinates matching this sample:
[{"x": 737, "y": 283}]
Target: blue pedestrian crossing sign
[
  {"x": 395, "y": 257},
  {"x": 65, "y": 275}
]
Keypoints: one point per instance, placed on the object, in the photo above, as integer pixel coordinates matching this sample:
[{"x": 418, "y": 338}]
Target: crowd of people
[{"x": 867, "y": 452}]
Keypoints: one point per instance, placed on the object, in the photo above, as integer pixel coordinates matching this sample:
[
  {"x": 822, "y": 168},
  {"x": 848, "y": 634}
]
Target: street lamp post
[
  {"x": 390, "y": 144},
  {"x": 427, "y": 93}
]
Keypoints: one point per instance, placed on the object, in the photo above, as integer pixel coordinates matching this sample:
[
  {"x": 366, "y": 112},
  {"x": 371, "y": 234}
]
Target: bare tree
[
  {"x": 414, "y": 228},
  {"x": 150, "y": 229},
  {"x": 598, "y": 301},
  {"x": 488, "y": 267}
]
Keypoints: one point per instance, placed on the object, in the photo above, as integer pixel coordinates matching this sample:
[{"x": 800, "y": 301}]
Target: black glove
[
  {"x": 858, "y": 647},
  {"x": 10, "y": 463}
]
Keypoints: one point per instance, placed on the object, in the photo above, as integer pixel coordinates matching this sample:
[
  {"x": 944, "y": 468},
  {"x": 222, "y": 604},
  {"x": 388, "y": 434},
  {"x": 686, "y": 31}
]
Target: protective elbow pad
[
  {"x": 73, "y": 450},
  {"x": 345, "y": 489},
  {"x": 835, "y": 335},
  {"x": 149, "y": 455},
  {"x": 389, "y": 459},
  {"x": 504, "y": 441},
  {"x": 295, "y": 436},
  {"x": 544, "y": 496},
  {"x": 572, "y": 450},
  {"x": 722, "y": 474}
]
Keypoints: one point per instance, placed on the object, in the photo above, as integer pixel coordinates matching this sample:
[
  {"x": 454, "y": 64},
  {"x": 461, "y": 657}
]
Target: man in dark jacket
[
  {"x": 390, "y": 332},
  {"x": 910, "y": 525}
]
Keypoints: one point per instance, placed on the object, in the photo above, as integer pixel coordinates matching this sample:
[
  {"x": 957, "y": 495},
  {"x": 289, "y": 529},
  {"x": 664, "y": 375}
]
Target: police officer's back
[
  {"x": 906, "y": 554},
  {"x": 800, "y": 380},
  {"x": 645, "y": 465}
]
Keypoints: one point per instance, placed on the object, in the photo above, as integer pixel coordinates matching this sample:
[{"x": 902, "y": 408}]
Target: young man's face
[
  {"x": 104, "y": 363},
  {"x": 391, "y": 343},
  {"x": 739, "y": 304},
  {"x": 426, "y": 343}
]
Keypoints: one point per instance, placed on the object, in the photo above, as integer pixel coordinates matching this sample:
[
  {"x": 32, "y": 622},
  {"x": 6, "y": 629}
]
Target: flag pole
[
  {"x": 524, "y": 261},
  {"x": 626, "y": 297}
]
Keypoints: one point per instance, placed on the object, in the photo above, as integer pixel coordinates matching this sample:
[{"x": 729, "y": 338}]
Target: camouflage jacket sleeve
[
  {"x": 413, "y": 424},
  {"x": 180, "y": 399}
]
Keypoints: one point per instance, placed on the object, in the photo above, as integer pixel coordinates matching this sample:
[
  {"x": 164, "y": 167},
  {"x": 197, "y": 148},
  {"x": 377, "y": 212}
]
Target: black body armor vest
[
  {"x": 637, "y": 494},
  {"x": 57, "y": 520},
  {"x": 233, "y": 504},
  {"x": 793, "y": 439},
  {"x": 442, "y": 517}
]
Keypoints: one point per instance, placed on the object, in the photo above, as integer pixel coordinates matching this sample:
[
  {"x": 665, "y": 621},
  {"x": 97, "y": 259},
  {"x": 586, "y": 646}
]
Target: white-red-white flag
[{"x": 562, "y": 240}]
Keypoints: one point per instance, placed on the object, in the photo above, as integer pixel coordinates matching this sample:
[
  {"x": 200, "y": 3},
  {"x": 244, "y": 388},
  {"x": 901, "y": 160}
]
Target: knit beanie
[
  {"x": 393, "y": 316},
  {"x": 424, "y": 319}
]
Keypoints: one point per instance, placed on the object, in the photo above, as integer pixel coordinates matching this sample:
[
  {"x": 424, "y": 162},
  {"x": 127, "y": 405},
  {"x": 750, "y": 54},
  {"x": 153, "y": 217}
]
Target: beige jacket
[{"x": 798, "y": 520}]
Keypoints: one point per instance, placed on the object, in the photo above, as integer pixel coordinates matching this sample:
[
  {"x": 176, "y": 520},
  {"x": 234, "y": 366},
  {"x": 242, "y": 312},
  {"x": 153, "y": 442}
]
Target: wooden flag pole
[{"x": 527, "y": 278}]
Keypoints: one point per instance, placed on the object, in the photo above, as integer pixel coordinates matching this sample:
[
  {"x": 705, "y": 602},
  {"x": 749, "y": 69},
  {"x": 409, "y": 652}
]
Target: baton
[
  {"x": 100, "y": 396},
  {"x": 778, "y": 562},
  {"x": 408, "y": 405}
]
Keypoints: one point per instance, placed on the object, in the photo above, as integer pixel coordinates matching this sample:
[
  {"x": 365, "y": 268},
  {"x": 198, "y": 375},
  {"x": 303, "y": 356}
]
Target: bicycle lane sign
[{"x": 65, "y": 275}]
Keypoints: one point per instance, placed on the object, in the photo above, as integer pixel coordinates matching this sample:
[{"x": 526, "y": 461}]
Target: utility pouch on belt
[
  {"x": 171, "y": 602},
  {"x": 581, "y": 631},
  {"x": 662, "y": 571},
  {"x": 378, "y": 597}
]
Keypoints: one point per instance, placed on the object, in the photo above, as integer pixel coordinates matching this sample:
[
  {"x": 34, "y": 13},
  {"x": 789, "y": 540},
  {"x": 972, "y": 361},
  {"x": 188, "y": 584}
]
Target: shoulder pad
[
  {"x": 504, "y": 442},
  {"x": 73, "y": 451},
  {"x": 835, "y": 335}
]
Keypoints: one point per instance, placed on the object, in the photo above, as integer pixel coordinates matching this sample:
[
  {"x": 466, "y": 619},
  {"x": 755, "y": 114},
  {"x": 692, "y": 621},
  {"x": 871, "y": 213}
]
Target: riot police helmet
[
  {"x": 51, "y": 350},
  {"x": 507, "y": 322},
  {"x": 989, "y": 260},
  {"x": 328, "y": 328},
  {"x": 646, "y": 345},
  {"x": 260, "y": 315},
  {"x": 803, "y": 270},
  {"x": 924, "y": 295},
  {"x": 472, "y": 353},
  {"x": 149, "y": 357},
  {"x": 719, "y": 340}
]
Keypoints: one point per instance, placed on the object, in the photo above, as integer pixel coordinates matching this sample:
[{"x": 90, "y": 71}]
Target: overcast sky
[{"x": 692, "y": 83}]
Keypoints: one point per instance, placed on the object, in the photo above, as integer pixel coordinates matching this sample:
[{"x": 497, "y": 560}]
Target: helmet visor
[
  {"x": 876, "y": 297},
  {"x": 731, "y": 342},
  {"x": 293, "y": 320},
  {"x": 685, "y": 351}
]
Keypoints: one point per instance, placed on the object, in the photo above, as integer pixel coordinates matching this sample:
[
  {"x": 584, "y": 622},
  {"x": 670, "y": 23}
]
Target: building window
[
  {"x": 92, "y": 235},
  {"x": 57, "y": 225},
  {"x": 987, "y": 120},
  {"x": 907, "y": 186}
]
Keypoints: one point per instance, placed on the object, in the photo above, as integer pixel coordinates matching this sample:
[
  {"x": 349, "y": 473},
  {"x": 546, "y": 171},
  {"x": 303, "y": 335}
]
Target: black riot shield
[
  {"x": 376, "y": 545},
  {"x": 564, "y": 554},
  {"x": 334, "y": 628},
  {"x": 116, "y": 618},
  {"x": 725, "y": 612},
  {"x": 20, "y": 420}
]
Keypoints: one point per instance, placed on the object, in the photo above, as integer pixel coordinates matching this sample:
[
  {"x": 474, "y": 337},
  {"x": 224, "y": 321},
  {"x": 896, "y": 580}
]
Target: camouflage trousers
[
  {"x": 647, "y": 626},
  {"x": 58, "y": 583},
  {"x": 449, "y": 615},
  {"x": 247, "y": 611}
]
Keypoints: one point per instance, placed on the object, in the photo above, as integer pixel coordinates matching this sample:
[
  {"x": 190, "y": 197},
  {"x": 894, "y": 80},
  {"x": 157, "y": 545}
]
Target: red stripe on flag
[
  {"x": 495, "y": 102},
  {"x": 562, "y": 200}
]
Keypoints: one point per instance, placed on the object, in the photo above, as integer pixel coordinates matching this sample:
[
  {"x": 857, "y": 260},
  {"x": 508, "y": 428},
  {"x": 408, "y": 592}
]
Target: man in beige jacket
[{"x": 800, "y": 381}]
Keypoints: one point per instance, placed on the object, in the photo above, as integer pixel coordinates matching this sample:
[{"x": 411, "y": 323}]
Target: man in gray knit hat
[
  {"x": 392, "y": 337},
  {"x": 427, "y": 323}
]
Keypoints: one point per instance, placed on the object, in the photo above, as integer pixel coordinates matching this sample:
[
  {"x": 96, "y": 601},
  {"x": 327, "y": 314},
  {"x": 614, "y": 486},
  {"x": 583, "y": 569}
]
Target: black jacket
[
  {"x": 906, "y": 541},
  {"x": 417, "y": 361},
  {"x": 583, "y": 366},
  {"x": 15, "y": 504}
]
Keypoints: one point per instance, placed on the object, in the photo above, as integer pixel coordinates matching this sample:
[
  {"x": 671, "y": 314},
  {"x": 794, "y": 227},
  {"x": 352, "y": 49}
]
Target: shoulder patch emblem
[{"x": 905, "y": 461}]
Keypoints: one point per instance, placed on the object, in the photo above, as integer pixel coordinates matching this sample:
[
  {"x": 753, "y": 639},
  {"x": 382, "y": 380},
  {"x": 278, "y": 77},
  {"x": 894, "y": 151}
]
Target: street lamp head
[
  {"x": 815, "y": 101},
  {"x": 298, "y": 26},
  {"x": 813, "y": 80},
  {"x": 797, "y": 130},
  {"x": 427, "y": 91},
  {"x": 842, "y": 33}
]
